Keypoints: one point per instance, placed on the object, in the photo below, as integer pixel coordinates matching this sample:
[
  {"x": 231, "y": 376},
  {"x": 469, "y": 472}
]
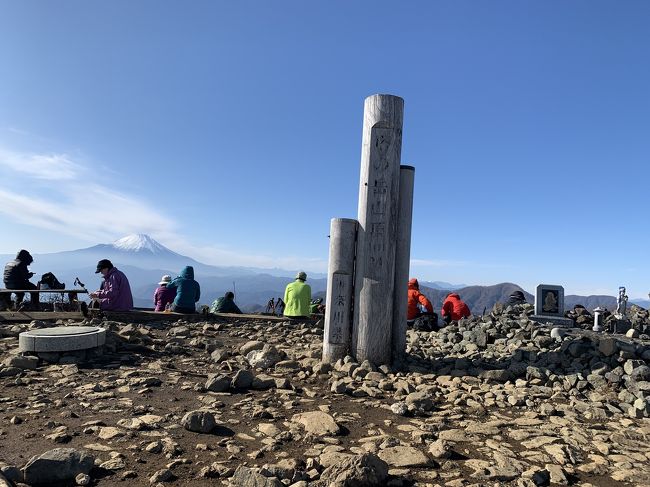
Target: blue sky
[{"x": 231, "y": 131}]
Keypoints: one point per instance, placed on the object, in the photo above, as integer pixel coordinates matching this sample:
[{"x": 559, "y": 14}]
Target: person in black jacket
[
  {"x": 517, "y": 297},
  {"x": 16, "y": 276}
]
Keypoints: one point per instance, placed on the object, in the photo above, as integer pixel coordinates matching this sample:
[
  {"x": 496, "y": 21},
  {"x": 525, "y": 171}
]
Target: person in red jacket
[
  {"x": 415, "y": 297},
  {"x": 454, "y": 308}
]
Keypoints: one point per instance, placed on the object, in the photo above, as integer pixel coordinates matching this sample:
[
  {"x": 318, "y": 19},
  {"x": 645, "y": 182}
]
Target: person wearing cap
[
  {"x": 225, "y": 304},
  {"x": 297, "y": 297},
  {"x": 188, "y": 291},
  {"x": 16, "y": 276},
  {"x": 115, "y": 293},
  {"x": 163, "y": 296}
]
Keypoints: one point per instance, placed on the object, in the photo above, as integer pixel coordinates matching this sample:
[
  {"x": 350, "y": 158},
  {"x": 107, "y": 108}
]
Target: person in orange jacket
[
  {"x": 454, "y": 308},
  {"x": 415, "y": 297}
]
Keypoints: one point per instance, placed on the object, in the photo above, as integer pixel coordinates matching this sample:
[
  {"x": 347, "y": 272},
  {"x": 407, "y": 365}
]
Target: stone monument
[
  {"x": 620, "y": 323},
  {"x": 549, "y": 305}
]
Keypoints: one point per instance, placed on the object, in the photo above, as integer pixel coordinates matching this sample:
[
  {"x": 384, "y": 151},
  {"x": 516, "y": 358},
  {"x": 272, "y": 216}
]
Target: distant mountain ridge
[
  {"x": 478, "y": 298},
  {"x": 145, "y": 261}
]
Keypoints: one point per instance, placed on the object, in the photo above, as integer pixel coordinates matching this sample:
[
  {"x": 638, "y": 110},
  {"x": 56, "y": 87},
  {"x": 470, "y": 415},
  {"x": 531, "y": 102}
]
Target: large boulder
[
  {"x": 57, "y": 466},
  {"x": 199, "y": 421},
  {"x": 317, "y": 423},
  {"x": 243, "y": 379},
  {"x": 217, "y": 383},
  {"x": 264, "y": 358},
  {"x": 247, "y": 477},
  {"x": 366, "y": 470}
]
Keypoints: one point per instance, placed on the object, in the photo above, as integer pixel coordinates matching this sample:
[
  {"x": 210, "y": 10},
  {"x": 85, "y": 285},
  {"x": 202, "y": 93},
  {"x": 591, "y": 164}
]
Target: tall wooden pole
[
  {"x": 338, "y": 302},
  {"x": 376, "y": 237},
  {"x": 402, "y": 259}
]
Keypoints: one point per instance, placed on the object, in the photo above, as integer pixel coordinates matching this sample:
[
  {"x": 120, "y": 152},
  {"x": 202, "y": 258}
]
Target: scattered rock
[
  {"x": 58, "y": 465},
  {"x": 199, "y": 421},
  {"x": 317, "y": 423},
  {"x": 247, "y": 477}
]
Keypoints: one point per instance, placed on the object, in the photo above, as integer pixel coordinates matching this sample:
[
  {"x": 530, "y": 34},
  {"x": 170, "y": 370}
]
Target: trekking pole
[{"x": 77, "y": 282}]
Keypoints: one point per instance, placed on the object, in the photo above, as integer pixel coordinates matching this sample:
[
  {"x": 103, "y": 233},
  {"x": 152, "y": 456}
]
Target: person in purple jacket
[
  {"x": 115, "y": 293},
  {"x": 163, "y": 296}
]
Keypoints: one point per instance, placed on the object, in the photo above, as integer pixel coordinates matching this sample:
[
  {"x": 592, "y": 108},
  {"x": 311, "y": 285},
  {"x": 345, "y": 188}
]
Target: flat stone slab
[
  {"x": 556, "y": 320},
  {"x": 62, "y": 339}
]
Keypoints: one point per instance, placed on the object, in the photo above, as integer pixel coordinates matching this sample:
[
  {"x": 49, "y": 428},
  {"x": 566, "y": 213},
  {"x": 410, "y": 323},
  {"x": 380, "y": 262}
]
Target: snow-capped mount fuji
[
  {"x": 140, "y": 242},
  {"x": 141, "y": 251}
]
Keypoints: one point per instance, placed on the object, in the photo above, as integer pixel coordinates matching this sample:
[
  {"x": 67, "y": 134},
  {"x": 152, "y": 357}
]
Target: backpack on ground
[{"x": 426, "y": 322}]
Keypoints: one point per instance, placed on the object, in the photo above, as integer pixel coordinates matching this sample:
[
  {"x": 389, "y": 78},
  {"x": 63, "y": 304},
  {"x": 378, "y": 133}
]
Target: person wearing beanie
[
  {"x": 16, "y": 276},
  {"x": 225, "y": 304},
  {"x": 163, "y": 296},
  {"x": 297, "y": 297},
  {"x": 115, "y": 292}
]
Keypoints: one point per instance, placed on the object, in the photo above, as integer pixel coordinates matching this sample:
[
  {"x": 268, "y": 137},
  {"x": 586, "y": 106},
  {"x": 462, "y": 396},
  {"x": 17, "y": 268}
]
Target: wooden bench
[
  {"x": 9, "y": 292},
  {"x": 62, "y": 291},
  {"x": 54, "y": 314}
]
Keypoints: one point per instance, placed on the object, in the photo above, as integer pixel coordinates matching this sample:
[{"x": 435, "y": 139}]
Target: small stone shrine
[{"x": 549, "y": 305}]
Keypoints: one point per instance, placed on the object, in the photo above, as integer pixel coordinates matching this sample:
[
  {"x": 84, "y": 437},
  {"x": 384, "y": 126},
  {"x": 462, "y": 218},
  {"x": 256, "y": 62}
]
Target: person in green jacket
[
  {"x": 188, "y": 291},
  {"x": 297, "y": 297},
  {"x": 225, "y": 304}
]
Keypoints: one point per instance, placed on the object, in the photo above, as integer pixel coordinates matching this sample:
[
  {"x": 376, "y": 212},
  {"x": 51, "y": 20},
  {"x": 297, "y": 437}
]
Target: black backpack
[
  {"x": 426, "y": 322},
  {"x": 48, "y": 279}
]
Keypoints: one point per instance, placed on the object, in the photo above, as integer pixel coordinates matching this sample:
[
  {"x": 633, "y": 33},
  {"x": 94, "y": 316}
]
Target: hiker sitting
[
  {"x": 115, "y": 291},
  {"x": 454, "y": 308},
  {"x": 419, "y": 306},
  {"x": 163, "y": 296},
  {"x": 297, "y": 297},
  {"x": 188, "y": 291},
  {"x": 517, "y": 297},
  {"x": 225, "y": 304},
  {"x": 16, "y": 276}
]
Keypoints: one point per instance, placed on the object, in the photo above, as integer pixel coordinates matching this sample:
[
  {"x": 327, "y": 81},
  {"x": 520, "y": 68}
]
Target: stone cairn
[{"x": 369, "y": 257}]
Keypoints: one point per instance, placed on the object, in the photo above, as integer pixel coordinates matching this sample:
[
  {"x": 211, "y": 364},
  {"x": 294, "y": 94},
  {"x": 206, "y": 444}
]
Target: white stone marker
[
  {"x": 376, "y": 237},
  {"x": 61, "y": 339},
  {"x": 338, "y": 301},
  {"x": 402, "y": 259}
]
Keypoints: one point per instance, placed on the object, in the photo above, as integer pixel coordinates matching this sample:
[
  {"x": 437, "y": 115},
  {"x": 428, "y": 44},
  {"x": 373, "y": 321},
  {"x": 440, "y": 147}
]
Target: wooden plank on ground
[
  {"x": 39, "y": 291},
  {"x": 147, "y": 315},
  {"x": 27, "y": 316}
]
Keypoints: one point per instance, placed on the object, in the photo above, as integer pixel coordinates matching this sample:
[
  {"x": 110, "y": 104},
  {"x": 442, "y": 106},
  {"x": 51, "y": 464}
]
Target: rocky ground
[{"x": 491, "y": 400}]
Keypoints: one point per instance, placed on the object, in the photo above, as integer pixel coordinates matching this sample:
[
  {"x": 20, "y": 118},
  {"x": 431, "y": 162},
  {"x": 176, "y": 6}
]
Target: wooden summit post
[
  {"x": 376, "y": 237},
  {"x": 402, "y": 260},
  {"x": 338, "y": 301}
]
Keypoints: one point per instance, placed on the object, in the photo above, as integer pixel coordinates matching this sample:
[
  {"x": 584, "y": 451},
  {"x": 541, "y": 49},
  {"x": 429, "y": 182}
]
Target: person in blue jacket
[{"x": 188, "y": 291}]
